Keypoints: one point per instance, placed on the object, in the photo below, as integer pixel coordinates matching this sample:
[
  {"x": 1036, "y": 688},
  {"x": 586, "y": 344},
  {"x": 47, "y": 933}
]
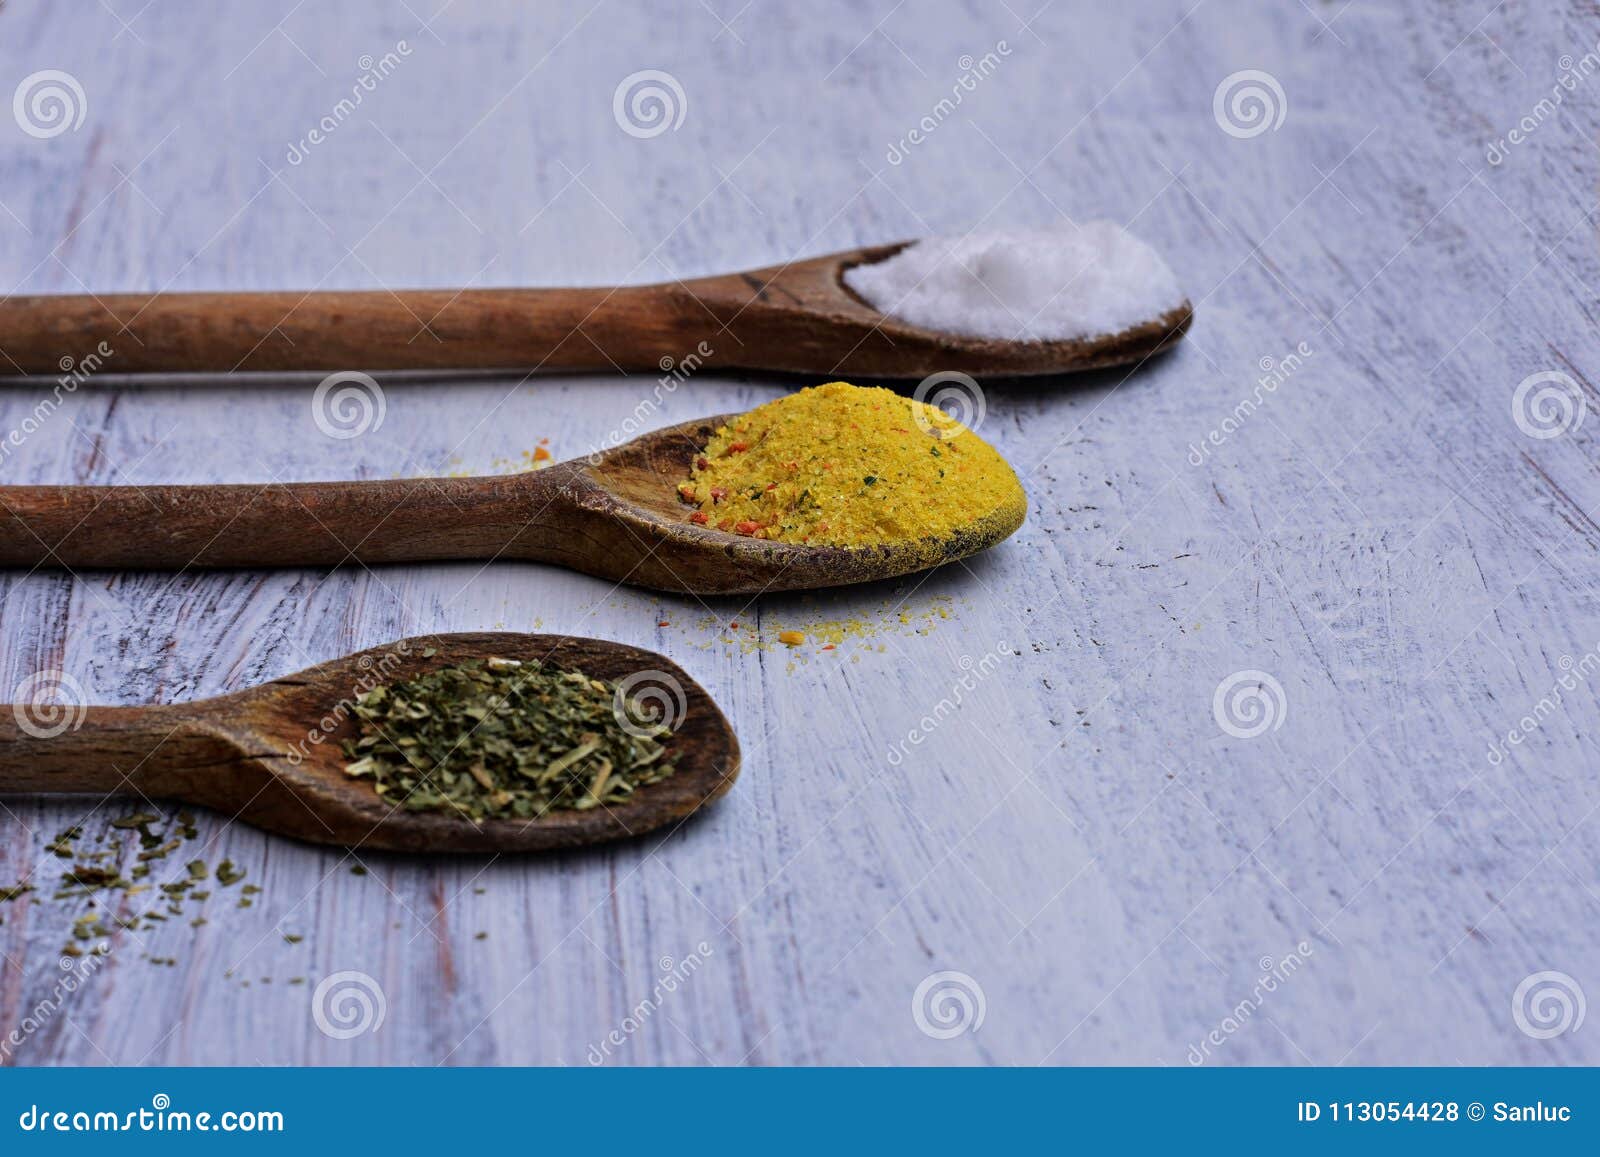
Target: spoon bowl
[
  {"x": 270, "y": 755},
  {"x": 615, "y": 514}
]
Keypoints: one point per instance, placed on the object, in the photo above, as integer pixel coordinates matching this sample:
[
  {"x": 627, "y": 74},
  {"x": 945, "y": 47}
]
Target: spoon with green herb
[{"x": 445, "y": 743}]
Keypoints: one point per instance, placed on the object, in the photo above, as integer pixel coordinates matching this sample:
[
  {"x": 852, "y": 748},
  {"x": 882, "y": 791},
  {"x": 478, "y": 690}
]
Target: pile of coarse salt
[{"x": 1058, "y": 284}]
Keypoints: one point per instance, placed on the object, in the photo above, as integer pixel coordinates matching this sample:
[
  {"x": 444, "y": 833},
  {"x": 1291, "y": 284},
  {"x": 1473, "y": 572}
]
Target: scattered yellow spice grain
[
  {"x": 843, "y": 465},
  {"x": 792, "y": 638}
]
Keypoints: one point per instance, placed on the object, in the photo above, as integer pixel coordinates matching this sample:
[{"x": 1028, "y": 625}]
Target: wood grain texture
[{"x": 1033, "y": 792}]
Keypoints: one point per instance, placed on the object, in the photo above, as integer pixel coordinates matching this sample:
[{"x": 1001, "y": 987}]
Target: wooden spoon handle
[
  {"x": 632, "y": 328},
  {"x": 67, "y": 747},
  {"x": 298, "y": 524}
]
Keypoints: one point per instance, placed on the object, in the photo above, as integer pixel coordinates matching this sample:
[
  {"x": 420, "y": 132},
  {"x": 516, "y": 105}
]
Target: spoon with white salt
[{"x": 1074, "y": 297}]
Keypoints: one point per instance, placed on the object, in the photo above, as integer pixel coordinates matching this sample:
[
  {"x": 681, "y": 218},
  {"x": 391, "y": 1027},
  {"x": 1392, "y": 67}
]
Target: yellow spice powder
[{"x": 843, "y": 465}]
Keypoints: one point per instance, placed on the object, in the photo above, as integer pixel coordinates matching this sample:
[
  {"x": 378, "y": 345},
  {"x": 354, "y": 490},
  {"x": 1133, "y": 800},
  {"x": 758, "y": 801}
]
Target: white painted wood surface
[{"x": 1078, "y": 836}]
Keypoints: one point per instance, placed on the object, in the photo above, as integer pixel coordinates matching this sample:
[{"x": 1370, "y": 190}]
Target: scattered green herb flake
[
  {"x": 197, "y": 869},
  {"x": 91, "y": 877},
  {"x": 228, "y": 875},
  {"x": 292, "y": 938},
  {"x": 358, "y": 869},
  {"x": 61, "y": 846}
]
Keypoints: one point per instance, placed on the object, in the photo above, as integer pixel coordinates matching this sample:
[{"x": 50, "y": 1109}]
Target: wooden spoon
[
  {"x": 252, "y": 754},
  {"x": 615, "y": 514},
  {"x": 798, "y": 318}
]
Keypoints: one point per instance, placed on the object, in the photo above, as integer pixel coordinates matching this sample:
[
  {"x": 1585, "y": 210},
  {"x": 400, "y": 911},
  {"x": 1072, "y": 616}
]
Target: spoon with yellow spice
[{"x": 831, "y": 485}]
